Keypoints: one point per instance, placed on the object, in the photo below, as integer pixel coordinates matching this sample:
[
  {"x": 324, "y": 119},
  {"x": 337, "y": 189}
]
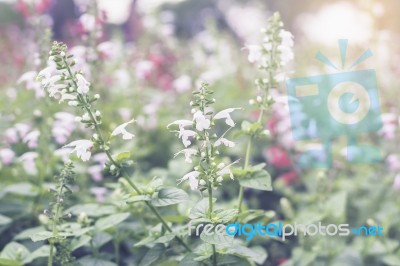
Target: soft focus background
[{"x": 145, "y": 58}]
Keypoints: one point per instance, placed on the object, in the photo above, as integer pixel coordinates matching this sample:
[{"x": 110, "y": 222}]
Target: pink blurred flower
[
  {"x": 396, "y": 183},
  {"x": 31, "y": 139},
  {"x": 28, "y": 162},
  {"x": 393, "y": 162},
  {"x": 182, "y": 84},
  {"x": 289, "y": 178},
  {"x": 144, "y": 69},
  {"x": 6, "y": 156},
  {"x": 388, "y": 130},
  {"x": 277, "y": 157}
]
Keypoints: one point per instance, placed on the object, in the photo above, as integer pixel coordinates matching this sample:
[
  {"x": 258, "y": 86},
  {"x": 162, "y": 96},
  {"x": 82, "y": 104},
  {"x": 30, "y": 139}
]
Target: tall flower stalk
[
  {"x": 65, "y": 180},
  {"x": 271, "y": 56},
  {"x": 208, "y": 173},
  {"x": 64, "y": 83}
]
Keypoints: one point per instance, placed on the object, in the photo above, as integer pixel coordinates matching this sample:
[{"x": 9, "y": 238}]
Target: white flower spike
[{"x": 120, "y": 130}]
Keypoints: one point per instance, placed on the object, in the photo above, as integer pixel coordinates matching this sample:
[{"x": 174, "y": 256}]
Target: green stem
[
  {"x": 247, "y": 162},
  {"x": 56, "y": 219},
  {"x": 210, "y": 209},
  {"x": 124, "y": 172},
  {"x": 50, "y": 261}
]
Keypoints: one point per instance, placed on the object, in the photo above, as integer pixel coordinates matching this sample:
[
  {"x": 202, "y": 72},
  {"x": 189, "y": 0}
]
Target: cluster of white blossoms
[
  {"x": 208, "y": 173},
  {"x": 64, "y": 83},
  {"x": 275, "y": 50}
]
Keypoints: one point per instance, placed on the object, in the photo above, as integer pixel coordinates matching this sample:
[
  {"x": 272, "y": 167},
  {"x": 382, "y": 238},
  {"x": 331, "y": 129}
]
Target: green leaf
[
  {"x": 260, "y": 179},
  {"x": 188, "y": 260},
  {"x": 123, "y": 156},
  {"x": 80, "y": 242},
  {"x": 42, "y": 252},
  {"x": 169, "y": 196},
  {"x": 29, "y": 232},
  {"x": 138, "y": 198},
  {"x": 232, "y": 260},
  {"x": 256, "y": 254},
  {"x": 111, "y": 221},
  {"x": 15, "y": 251},
  {"x": 203, "y": 251},
  {"x": 22, "y": 189},
  {"x": 91, "y": 261},
  {"x": 92, "y": 209},
  {"x": 152, "y": 255},
  {"x": 164, "y": 239},
  {"x": 391, "y": 260},
  {"x": 200, "y": 209},
  {"x": 250, "y": 215},
  {"x": 217, "y": 239},
  {"x": 40, "y": 236},
  {"x": 7, "y": 262},
  {"x": 224, "y": 216},
  {"x": 4, "y": 220},
  {"x": 100, "y": 239},
  {"x": 335, "y": 206}
]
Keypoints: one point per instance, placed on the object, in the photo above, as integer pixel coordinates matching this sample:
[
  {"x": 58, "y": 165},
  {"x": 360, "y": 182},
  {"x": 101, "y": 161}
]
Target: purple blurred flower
[
  {"x": 99, "y": 192},
  {"x": 95, "y": 172}
]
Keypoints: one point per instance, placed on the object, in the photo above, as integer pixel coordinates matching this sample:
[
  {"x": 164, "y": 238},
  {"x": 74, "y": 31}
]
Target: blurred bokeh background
[{"x": 145, "y": 58}]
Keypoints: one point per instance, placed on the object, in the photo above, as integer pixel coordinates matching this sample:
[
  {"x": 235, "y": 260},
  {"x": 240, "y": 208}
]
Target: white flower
[
  {"x": 202, "y": 122},
  {"x": 67, "y": 97},
  {"x": 255, "y": 52},
  {"x": 286, "y": 54},
  {"x": 188, "y": 154},
  {"x": 120, "y": 130},
  {"x": 225, "y": 114},
  {"x": 193, "y": 181},
  {"x": 181, "y": 123},
  {"x": 83, "y": 85},
  {"x": 82, "y": 148},
  {"x": 185, "y": 135},
  {"x": 225, "y": 170},
  {"x": 287, "y": 38},
  {"x": 225, "y": 142}
]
